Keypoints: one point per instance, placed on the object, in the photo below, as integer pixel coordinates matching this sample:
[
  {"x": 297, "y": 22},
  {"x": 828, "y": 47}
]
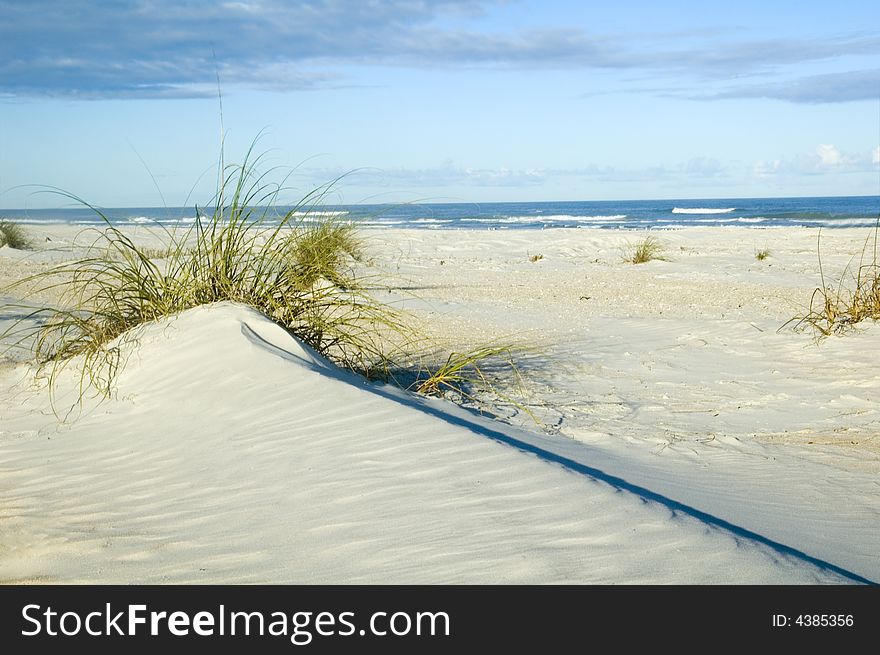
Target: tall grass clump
[
  {"x": 644, "y": 251},
  {"x": 294, "y": 270},
  {"x": 300, "y": 268},
  {"x": 324, "y": 251},
  {"x": 14, "y": 236},
  {"x": 854, "y": 297}
]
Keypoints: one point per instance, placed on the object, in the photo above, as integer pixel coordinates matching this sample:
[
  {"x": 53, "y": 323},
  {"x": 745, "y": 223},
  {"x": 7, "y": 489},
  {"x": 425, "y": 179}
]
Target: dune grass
[
  {"x": 323, "y": 251},
  {"x": 464, "y": 369},
  {"x": 762, "y": 254},
  {"x": 643, "y": 251},
  {"x": 291, "y": 269},
  {"x": 297, "y": 268},
  {"x": 471, "y": 375},
  {"x": 14, "y": 236},
  {"x": 853, "y": 297}
]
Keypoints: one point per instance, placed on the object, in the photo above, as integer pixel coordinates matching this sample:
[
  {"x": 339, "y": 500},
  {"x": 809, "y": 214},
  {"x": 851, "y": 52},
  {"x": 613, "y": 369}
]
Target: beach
[{"x": 671, "y": 426}]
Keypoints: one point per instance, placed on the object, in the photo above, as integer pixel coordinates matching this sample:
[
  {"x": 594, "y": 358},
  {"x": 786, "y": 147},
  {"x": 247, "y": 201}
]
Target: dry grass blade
[{"x": 473, "y": 373}]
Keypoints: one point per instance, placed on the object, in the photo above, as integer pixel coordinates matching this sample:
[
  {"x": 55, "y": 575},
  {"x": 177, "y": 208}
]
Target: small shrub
[
  {"x": 761, "y": 255},
  {"x": 536, "y": 258},
  {"x": 644, "y": 251},
  {"x": 14, "y": 236}
]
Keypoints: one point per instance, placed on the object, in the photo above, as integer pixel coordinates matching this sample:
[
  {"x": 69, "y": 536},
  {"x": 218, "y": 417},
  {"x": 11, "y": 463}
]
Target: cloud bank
[
  {"x": 826, "y": 158},
  {"x": 176, "y": 48}
]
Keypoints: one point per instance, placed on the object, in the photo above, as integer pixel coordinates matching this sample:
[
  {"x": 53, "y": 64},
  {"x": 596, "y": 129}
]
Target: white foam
[
  {"x": 380, "y": 223},
  {"x": 611, "y": 217},
  {"x": 561, "y": 218},
  {"x": 841, "y": 222},
  {"x": 701, "y": 210},
  {"x": 317, "y": 212}
]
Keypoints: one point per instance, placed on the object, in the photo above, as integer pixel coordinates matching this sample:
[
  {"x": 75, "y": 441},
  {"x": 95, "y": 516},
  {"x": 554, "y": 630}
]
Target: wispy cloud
[
  {"x": 171, "y": 48},
  {"x": 828, "y": 88},
  {"x": 451, "y": 175},
  {"x": 443, "y": 176}
]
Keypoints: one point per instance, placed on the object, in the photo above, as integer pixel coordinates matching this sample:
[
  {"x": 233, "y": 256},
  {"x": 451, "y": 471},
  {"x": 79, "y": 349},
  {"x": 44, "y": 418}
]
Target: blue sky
[{"x": 442, "y": 101}]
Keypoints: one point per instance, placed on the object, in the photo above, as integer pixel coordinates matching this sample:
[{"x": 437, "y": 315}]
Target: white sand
[{"x": 689, "y": 441}]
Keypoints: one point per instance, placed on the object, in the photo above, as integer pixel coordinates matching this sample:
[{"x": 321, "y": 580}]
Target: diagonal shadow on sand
[{"x": 482, "y": 427}]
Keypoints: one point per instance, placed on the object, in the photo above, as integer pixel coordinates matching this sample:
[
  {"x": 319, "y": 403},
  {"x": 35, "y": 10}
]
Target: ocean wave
[
  {"x": 702, "y": 210},
  {"x": 146, "y": 220},
  {"x": 728, "y": 221},
  {"x": 841, "y": 222},
  {"x": 557, "y": 218},
  {"x": 319, "y": 212},
  {"x": 380, "y": 222},
  {"x": 610, "y": 217}
]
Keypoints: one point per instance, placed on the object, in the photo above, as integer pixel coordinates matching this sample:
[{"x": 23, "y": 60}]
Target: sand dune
[
  {"x": 232, "y": 453},
  {"x": 235, "y": 454}
]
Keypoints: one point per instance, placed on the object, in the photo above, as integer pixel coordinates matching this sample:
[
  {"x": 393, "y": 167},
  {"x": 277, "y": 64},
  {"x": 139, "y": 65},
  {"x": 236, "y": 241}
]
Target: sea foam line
[
  {"x": 702, "y": 210},
  {"x": 544, "y": 219}
]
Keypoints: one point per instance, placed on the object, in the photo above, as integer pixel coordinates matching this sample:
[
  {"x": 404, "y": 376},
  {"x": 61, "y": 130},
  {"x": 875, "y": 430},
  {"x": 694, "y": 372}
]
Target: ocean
[{"x": 827, "y": 212}]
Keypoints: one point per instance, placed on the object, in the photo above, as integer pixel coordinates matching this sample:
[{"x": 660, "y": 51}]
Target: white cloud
[
  {"x": 829, "y": 155},
  {"x": 826, "y": 158}
]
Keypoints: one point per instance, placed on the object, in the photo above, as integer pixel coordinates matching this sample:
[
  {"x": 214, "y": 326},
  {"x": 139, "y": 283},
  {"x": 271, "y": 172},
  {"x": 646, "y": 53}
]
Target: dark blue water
[{"x": 851, "y": 211}]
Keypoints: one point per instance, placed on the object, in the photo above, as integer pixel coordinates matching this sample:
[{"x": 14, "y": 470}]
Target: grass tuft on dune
[
  {"x": 14, "y": 236},
  {"x": 837, "y": 305},
  {"x": 646, "y": 250},
  {"x": 292, "y": 269},
  {"x": 297, "y": 268}
]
